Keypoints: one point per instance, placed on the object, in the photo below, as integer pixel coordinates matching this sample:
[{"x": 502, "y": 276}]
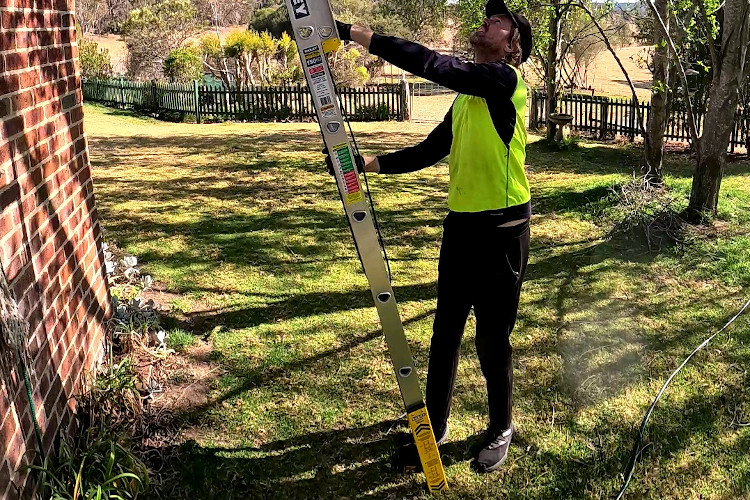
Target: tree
[
  {"x": 95, "y": 63},
  {"x": 225, "y": 12},
  {"x": 424, "y": 20},
  {"x": 729, "y": 70},
  {"x": 91, "y": 14},
  {"x": 150, "y": 33},
  {"x": 657, "y": 120},
  {"x": 242, "y": 47},
  {"x": 348, "y": 66},
  {"x": 183, "y": 65},
  {"x": 214, "y": 60}
]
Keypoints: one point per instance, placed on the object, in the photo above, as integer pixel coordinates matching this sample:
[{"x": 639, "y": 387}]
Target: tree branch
[
  {"x": 685, "y": 90},
  {"x": 641, "y": 122},
  {"x": 709, "y": 34}
]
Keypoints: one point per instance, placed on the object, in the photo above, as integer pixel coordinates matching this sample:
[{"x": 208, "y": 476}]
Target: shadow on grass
[{"x": 350, "y": 461}]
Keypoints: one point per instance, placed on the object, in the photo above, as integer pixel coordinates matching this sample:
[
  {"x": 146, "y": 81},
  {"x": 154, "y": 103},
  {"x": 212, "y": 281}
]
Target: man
[{"x": 485, "y": 242}]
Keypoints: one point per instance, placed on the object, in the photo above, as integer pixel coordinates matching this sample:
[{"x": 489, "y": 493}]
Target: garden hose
[{"x": 630, "y": 468}]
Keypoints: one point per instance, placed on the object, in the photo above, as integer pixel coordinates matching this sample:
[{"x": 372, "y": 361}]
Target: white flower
[
  {"x": 147, "y": 281},
  {"x": 130, "y": 261},
  {"x": 131, "y": 273}
]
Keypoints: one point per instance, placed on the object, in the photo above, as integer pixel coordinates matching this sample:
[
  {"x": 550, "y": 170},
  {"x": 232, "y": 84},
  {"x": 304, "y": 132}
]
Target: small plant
[
  {"x": 113, "y": 401},
  {"x": 570, "y": 143},
  {"x": 94, "y": 466},
  {"x": 97, "y": 464},
  {"x": 179, "y": 340}
]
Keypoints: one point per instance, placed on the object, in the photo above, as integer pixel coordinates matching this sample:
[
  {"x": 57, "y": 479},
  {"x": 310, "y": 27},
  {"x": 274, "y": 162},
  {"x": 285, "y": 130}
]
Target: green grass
[
  {"x": 180, "y": 340},
  {"x": 243, "y": 222}
]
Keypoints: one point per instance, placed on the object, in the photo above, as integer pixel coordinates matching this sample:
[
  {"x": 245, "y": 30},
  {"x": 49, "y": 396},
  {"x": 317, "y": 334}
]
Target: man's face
[{"x": 493, "y": 34}]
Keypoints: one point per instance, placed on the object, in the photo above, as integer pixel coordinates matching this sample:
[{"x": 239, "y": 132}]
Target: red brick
[
  {"x": 7, "y": 39},
  {"x": 49, "y": 74},
  {"x": 16, "y": 60},
  {"x": 12, "y": 126},
  {"x": 9, "y": 83},
  {"x": 33, "y": 117},
  {"x": 22, "y": 101},
  {"x": 29, "y": 79},
  {"x": 45, "y": 37},
  {"x": 38, "y": 57}
]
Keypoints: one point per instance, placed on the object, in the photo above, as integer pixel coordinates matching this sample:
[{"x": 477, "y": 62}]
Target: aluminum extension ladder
[{"x": 316, "y": 35}]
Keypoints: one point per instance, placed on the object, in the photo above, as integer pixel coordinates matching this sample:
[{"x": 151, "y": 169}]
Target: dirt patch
[
  {"x": 161, "y": 296},
  {"x": 188, "y": 380}
]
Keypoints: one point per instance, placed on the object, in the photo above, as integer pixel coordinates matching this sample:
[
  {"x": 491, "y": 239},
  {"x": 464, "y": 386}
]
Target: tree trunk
[
  {"x": 720, "y": 113},
  {"x": 554, "y": 49},
  {"x": 657, "y": 122}
]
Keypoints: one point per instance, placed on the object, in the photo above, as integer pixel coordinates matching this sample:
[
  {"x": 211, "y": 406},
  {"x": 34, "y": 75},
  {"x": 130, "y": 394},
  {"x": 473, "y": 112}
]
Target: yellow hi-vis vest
[{"x": 486, "y": 173}]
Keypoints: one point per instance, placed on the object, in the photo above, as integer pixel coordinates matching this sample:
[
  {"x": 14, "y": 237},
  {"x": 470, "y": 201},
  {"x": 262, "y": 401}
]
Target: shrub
[
  {"x": 183, "y": 65},
  {"x": 380, "y": 112},
  {"x": 95, "y": 63}
]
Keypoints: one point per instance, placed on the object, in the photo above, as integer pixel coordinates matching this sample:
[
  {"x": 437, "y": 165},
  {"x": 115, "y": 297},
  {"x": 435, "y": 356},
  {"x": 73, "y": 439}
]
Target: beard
[{"x": 478, "y": 39}]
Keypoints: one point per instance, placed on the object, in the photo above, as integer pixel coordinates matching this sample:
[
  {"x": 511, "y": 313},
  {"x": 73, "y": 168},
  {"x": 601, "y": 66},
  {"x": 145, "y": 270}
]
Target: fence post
[
  {"x": 633, "y": 113},
  {"x": 532, "y": 111},
  {"x": 604, "y": 117},
  {"x": 154, "y": 97},
  {"x": 299, "y": 100},
  {"x": 197, "y": 102},
  {"x": 404, "y": 100},
  {"x": 122, "y": 92}
]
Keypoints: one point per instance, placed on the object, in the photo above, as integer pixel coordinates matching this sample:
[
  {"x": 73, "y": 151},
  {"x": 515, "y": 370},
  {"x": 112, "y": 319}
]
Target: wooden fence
[
  {"x": 207, "y": 103},
  {"x": 605, "y": 117}
]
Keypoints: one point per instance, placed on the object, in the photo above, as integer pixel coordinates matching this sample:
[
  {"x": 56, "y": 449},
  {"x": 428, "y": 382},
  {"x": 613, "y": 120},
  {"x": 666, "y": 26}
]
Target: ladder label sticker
[
  {"x": 349, "y": 173},
  {"x": 319, "y": 80},
  {"x": 421, "y": 430},
  {"x": 300, "y": 9}
]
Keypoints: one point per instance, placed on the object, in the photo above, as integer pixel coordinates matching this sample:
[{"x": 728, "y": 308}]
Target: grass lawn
[{"x": 243, "y": 229}]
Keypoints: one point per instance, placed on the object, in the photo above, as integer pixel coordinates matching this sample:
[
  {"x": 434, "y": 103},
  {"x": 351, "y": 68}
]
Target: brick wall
[{"x": 49, "y": 232}]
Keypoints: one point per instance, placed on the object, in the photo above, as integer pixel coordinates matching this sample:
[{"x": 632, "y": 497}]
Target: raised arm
[{"x": 482, "y": 80}]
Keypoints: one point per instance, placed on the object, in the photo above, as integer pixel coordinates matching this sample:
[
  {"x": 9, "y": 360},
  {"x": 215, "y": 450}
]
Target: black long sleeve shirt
[{"x": 495, "y": 82}]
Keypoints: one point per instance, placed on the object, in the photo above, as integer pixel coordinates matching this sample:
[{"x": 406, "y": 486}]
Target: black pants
[{"x": 481, "y": 266}]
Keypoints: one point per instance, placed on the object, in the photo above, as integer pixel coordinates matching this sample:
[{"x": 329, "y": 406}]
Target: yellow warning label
[
  {"x": 421, "y": 429},
  {"x": 354, "y": 197},
  {"x": 331, "y": 45}
]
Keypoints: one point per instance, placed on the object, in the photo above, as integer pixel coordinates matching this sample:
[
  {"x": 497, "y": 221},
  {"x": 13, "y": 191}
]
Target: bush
[
  {"x": 95, "y": 63},
  {"x": 651, "y": 213},
  {"x": 98, "y": 463},
  {"x": 183, "y": 65},
  {"x": 349, "y": 67},
  {"x": 380, "y": 112}
]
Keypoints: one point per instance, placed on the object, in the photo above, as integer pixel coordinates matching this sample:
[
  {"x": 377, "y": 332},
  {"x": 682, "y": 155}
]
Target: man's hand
[
  {"x": 354, "y": 33},
  {"x": 359, "y": 162},
  {"x": 363, "y": 163},
  {"x": 345, "y": 31}
]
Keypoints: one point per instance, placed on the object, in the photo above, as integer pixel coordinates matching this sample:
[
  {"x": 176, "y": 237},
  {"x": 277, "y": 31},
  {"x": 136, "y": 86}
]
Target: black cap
[{"x": 498, "y": 8}]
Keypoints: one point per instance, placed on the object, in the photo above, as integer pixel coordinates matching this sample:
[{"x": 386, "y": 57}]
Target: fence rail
[
  {"x": 376, "y": 102},
  {"x": 607, "y": 116}
]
